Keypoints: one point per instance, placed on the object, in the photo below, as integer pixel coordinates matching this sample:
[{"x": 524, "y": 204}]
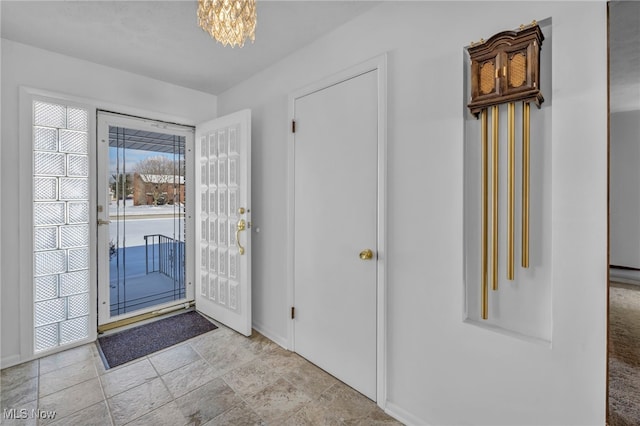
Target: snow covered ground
[
  {"x": 126, "y": 208},
  {"x": 130, "y": 284}
]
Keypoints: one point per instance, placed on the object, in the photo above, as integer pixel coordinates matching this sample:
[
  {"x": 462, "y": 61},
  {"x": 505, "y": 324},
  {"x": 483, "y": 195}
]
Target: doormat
[{"x": 134, "y": 343}]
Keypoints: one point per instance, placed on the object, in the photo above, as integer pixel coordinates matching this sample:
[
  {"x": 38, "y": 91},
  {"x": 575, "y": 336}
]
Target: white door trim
[
  {"x": 378, "y": 64},
  {"x": 27, "y": 96}
]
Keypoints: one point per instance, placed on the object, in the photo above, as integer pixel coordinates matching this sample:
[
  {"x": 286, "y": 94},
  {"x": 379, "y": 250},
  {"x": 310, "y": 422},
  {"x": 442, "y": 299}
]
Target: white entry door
[
  {"x": 223, "y": 209},
  {"x": 335, "y": 252}
]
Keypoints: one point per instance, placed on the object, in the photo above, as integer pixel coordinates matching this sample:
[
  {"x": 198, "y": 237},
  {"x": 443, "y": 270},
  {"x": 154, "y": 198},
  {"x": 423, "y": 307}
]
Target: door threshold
[{"x": 143, "y": 317}]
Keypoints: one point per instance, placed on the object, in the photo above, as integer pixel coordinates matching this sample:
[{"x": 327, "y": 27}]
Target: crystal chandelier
[{"x": 230, "y": 22}]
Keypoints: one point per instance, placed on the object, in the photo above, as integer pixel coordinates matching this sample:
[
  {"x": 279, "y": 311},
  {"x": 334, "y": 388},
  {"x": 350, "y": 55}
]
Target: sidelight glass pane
[
  {"x": 46, "y": 337},
  {"x": 74, "y": 283},
  {"x": 78, "y": 259},
  {"x": 78, "y": 212},
  {"x": 46, "y": 287},
  {"x": 48, "y": 213},
  {"x": 60, "y": 227},
  {"x": 50, "y": 311},
  {"x": 45, "y": 239},
  {"x": 78, "y": 305},
  {"x": 45, "y": 139},
  {"x": 71, "y": 141},
  {"x": 48, "y": 164},
  {"x": 77, "y": 119},
  {"x": 74, "y": 329},
  {"x": 45, "y": 189},
  {"x": 73, "y": 189},
  {"x": 49, "y": 262},
  {"x": 74, "y": 236},
  {"x": 50, "y": 115},
  {"x": 78, "y": 165}
]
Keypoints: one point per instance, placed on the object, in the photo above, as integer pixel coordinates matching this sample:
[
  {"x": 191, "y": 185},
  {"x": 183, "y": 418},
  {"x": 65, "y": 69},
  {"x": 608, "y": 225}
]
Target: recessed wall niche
[{"x": 521, "y": 306}]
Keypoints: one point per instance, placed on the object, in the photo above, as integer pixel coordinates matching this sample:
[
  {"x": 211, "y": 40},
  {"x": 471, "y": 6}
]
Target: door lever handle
[
  {"x": 103, "y": 222},
  {"x": 242, "y": 225}
]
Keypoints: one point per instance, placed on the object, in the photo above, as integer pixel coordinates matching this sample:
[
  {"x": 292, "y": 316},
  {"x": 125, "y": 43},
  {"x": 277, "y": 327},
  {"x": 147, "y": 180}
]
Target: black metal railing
[
  {"x": 165, "y": 255},
  {"x": 151, "y": 299}
]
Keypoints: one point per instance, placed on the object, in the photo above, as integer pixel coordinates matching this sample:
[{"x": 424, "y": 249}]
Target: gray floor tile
[
  {"x": 278, "y": 402},
  {"x": 251, "y": 377},
  {"x": 207, "y": 402},
  {"x": 310, "y": 379},
  {"x": 95, "y": 415},
  {"x": 63, "y": 359},
  {"x": 240, "y": 415},
  {"x": 342, "y": 404},
  {"x": 219, "y": 378},
  {"x": 133, "y": 403},
  {"x": 19, "y": 393},
  {"x": 167, "y": 415},
  {"x": 68, "y": 376},
  {"x": 226, "y": 353},
  {"x": 174, "y": 358},
  {"x": 73, "y": 399},
  {"x": 21, "y": 415},
  {"x": 12, "y": 376},
  {"x": 189, "y": 377},
  {"x": 127, "y": 377}
]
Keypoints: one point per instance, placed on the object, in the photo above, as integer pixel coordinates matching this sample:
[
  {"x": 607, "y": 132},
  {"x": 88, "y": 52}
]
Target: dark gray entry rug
[{"x": 134, "y": 343}]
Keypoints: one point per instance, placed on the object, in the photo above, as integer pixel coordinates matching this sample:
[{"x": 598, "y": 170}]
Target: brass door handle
[
  {"x": 103, "y": 222},
  {"x": 366, "y": 254},
  {"x": 242, "y": 225}
]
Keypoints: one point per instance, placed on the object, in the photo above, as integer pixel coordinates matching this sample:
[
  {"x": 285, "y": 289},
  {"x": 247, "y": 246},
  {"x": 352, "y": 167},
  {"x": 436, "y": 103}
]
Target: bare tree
[{"x": 163, "y": 168}]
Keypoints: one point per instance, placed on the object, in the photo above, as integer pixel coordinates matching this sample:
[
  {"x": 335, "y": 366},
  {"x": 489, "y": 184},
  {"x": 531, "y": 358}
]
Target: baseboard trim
[
  {"x": 269, "y": 334},
  {"x": 403, "y": 416},
  {"x": 626, "y": 276},
  {"x": 9, "y": 361}
]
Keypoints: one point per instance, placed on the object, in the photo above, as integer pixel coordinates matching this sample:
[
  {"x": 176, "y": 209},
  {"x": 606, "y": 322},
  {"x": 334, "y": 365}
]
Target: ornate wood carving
[{"x": 506, "y": 68}]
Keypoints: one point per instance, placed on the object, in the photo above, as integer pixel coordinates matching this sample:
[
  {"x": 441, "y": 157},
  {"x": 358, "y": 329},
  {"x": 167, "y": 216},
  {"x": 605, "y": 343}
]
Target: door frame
[{"x": 379, "y": 64}]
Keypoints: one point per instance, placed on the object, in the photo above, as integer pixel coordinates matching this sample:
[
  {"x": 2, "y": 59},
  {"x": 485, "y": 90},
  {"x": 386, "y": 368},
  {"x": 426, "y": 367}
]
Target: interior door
[
  {"x": 336, "y": 229},
  {"x": 223, "y": 258}
]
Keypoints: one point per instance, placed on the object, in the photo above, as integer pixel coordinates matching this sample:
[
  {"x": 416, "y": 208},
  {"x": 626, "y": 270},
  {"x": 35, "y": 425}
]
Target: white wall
[
  {"x": 103, "y": 87},
  {"x": 625, "y": 191},
  {"x": 440, "y": 369}
]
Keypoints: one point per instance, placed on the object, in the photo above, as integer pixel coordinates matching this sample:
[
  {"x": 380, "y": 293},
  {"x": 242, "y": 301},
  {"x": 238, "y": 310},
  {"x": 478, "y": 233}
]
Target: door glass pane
[
  {"x": 147, "y": 214},
  {"x": 61, "y": 251}
]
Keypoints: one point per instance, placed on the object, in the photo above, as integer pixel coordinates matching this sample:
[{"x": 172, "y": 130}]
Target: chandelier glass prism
[{"x": 230, "y": 22}]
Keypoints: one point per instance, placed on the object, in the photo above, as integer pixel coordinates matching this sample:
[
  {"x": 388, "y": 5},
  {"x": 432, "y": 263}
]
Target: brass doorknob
[{"x": 366, "y": 254}]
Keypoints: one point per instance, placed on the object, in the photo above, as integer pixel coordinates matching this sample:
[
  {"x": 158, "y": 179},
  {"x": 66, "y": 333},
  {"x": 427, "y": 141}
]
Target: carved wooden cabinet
[{"x": 506, "y": 68}]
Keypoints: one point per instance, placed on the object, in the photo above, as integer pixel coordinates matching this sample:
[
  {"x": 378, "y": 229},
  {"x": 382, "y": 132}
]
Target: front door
[
  {"x": 223, "y": 209},
  {"x": 142, "y": 226},
  {"x": 335, "y": 259}
]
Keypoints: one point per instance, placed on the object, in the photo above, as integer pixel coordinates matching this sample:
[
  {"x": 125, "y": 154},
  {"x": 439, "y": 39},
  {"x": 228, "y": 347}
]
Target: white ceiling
[{"x": 161, "y": 39}]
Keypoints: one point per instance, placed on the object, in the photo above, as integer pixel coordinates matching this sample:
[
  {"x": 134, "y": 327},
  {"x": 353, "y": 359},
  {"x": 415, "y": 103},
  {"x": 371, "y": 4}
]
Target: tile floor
[{"x": 218, "y": 378}]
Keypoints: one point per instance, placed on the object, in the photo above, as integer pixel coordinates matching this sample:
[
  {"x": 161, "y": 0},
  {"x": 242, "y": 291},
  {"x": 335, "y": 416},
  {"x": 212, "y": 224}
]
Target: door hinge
[
  {"x": 293, "y": 126},
  {"x": 293, "y": 312}
]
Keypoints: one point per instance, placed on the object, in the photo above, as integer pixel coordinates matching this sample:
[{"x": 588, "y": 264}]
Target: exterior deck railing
[{"x": 165, "y": 255}]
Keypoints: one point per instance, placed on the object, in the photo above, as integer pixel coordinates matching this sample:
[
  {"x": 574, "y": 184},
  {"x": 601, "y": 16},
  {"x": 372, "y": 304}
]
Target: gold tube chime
[
  {"x": 526, "y": 130},
  {"x": 495, "y": 119},
  {"x": 504, "y": 69},
  {"x": 511, "y": 187},
  {"x": 485, "y": 214}
]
